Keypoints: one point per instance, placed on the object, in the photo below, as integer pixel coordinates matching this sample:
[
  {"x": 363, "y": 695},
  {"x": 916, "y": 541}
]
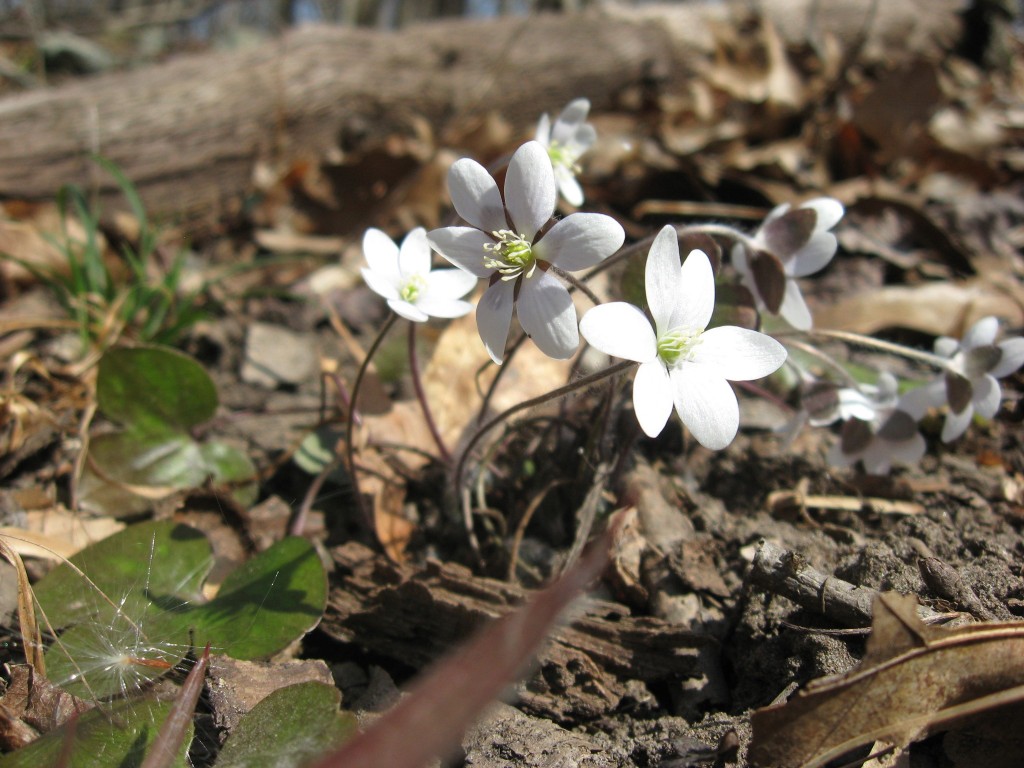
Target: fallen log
[{"x": 188, "y": 132}]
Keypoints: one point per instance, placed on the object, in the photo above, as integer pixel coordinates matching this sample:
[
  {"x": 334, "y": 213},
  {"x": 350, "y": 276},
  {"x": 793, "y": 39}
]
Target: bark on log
[
  {"x": 587, "y": 670},
  {"x": 189, "y": 131}
]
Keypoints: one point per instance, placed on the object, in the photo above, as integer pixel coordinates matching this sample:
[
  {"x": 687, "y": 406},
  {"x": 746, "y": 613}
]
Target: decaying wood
[
  {"x": 189, "y": 132},
  {"x": 588, "y": 669}
]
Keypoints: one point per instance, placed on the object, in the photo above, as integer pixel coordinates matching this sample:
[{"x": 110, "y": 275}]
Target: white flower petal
[
  {"x": 877, "y": 457},
  {"x": 580, "y": 240},
  {"x": 548, "y": 316},
  {"x": 582, "y": 139},
  {"x": 494, "y": 316},
  {"x": 543, "y": 134},
  {"x": 663, "y": 278},
  {"x": 448, "y": 284},
  {"x": 829, "y": 211},
  {"x": 987, "y": 396},
  {"x": 379, "y": 284},
  {"x": 463, "y": 247},
  {"x": 946, "y": 346},
  {"x": 739, "y": 259},
  {"x": 568, "y": 187},
  {"x": 574, "y": 114},
  {"x": 381, "y": 255},
  {"x": 917, "y": 401},
  {"x": 652, "y": 397},
  {"x": 475, "y": 195},
  {"x": 794, "y": 309},
  {"x": 837, "y": 458},
  {"x": 696, "y": 302},
  {"x": 739, "y": 354},
  {"x": 414, "y": 254},
  {"x": 1012, "y": 359},
  {"x": 408, "y": 311},
  {"x": 530, "y": 192},
  {"x": 706, "y": 404},
  {"x": 446, "y": 308},
  {"x": 956, "y": 423},
  {"x": 813, "y": 256},
  {"x": 981, "y": 333},
  {"x": 854, "y": 405},
  {"x": 910, "y": 451},
  {"x": 620, "y": 330}
]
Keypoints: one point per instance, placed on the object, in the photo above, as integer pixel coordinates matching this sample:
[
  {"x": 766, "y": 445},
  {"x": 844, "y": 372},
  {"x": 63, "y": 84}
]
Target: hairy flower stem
[
  {"x": 350, "y": 462},
  {"x": 681, "y": 231},
  {"x": 417, "y": 384},
  {"x": 562, "y": 391},
  {"x": 859, "y": 340}
]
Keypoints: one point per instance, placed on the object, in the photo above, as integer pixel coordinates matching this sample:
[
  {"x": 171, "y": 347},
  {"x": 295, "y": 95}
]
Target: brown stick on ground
[
  {"x": 188, "y": 132},
  {"x": 785, "y": 573}
]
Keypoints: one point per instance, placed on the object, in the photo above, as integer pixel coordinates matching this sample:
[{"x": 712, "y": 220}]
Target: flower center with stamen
[
  {"x": 678, "y": 345},
  {"x": 412, "y": 288},
  {"x": 511, "y": 256},
  {"x": 562, "y": 156}
]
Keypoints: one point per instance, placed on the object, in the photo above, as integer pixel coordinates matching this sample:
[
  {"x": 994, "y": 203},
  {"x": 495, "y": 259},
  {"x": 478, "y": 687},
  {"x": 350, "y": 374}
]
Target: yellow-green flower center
[
  {"x": 510, "y": 256},
  {"x": 412, "y": 288},
  {"x": 678, "y": 345},
  {"x": 563, "y": 156}
]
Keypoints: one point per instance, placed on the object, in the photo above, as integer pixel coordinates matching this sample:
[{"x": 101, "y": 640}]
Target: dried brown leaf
[
  {"x": 940, "y": 308},
  {"x": 913, "y": 681}
]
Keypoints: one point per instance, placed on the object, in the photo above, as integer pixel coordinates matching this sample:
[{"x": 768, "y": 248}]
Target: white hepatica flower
[
  {"x": 504, "y": 246},
  {"x": 789, "y": 244},
  {"x": 681, "y": 363},
  {"x": 566, "y": 141},
  {"x": 403, "y": 277},
  {"x": 970, "y": 383},
  {"x": 826, "y": 403},
  {"x": 891, "y": 437}
]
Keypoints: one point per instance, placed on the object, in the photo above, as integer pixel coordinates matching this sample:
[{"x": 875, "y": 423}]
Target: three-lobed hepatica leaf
[
  {"x": 131, "y": 606},
  {"x": 158, "y": 396},
  {"x": 289, "y": 728}
]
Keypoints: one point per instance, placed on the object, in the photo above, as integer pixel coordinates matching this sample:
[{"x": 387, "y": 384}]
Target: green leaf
[
  {"x": 157, "y": 559},
  {"x": 111, "y": 736},
  {"x": 137, "y": 576},
  {"x": 291, "y": 727},
  {"x": 265, "y": 603},
  {"x": 154, "y": 389},
  {"x": 164, "y": 460},
  {"x": 152, "y": 573}
]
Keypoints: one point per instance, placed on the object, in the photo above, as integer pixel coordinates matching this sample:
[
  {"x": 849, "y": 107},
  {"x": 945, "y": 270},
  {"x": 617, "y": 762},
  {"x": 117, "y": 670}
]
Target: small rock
[{"x": 276, "y": 356}]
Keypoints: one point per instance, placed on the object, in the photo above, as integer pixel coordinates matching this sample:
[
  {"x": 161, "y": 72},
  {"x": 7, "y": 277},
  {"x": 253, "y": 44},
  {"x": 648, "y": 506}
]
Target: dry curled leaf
[{"x": 914, "y": 680}]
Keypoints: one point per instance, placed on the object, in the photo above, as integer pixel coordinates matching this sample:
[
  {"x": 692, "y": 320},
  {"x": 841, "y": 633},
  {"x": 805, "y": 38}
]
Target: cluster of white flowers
[
  {"x": 880, "y": 426},
  {"x": 512, "y": 238}
]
